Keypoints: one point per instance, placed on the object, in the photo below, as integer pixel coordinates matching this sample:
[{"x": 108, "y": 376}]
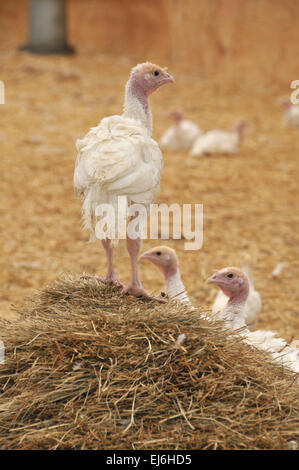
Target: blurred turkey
[
  {"x": 253, "y": 303},
  {"x": 167, "y": 262},
  {"x": 218, "y": 141},
  {"x": 291, "y": 113},
  {"x": 235, "y": 285},
  {"x": 116, "y": 158},
  {"x": 181, "y": 135}
]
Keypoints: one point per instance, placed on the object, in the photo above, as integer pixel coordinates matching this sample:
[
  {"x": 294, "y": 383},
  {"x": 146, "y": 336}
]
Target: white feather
[
  {"x": 281, "y": 352},
  {"x": 266, "y": 340},
  {"x": 180, "y": 339},
  {"x": 116, "y": 158},
  {"x": 175, "y": 289},
  {"x": 278, "y": 269}
]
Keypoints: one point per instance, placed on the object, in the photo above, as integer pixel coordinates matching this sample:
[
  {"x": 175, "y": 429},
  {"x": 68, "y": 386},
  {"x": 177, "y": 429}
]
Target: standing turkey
[
  {"x": 118, "y": 157},
  {"x": 218, "y": 141},
  {"x": 181, "y": 135}
]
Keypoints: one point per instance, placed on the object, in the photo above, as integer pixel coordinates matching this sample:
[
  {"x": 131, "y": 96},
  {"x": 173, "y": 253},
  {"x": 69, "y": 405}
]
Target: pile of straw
[{"x": 87, "y": 368}]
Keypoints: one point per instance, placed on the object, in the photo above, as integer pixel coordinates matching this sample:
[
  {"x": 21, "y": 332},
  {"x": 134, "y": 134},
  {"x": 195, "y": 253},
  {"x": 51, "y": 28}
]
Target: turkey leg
[{"x": 111, "y": 276}]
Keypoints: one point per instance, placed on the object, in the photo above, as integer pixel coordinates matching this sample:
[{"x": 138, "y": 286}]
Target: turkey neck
[
  {"x": 136, "y": 105},
  {"x": 174, "y": 286},
  {"x": 239, "y": 134},
  {"x": 233, "y": 312}
]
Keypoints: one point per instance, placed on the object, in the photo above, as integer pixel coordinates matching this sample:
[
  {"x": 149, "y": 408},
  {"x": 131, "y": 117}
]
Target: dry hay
[{"x": 87, "y": 368}]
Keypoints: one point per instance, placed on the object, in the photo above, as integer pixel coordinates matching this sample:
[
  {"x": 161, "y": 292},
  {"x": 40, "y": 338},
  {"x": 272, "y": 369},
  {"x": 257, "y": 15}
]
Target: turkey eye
[
  {"x": 230, "y": 275},
  {"x": 158, "y": 253},
  {"x": 156, "y": 73}
]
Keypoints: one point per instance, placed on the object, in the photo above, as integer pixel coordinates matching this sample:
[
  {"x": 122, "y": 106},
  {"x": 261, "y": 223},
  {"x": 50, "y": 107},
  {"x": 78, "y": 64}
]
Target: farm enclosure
[{"x": 233, "y": 66}]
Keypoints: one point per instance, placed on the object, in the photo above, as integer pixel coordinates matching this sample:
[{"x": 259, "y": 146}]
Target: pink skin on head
[
  {"x": 147, "y": 78},
  {"x": 164, "y": 258},
  {"x": 233, "y": 282},
  {"x": 286, "y": 104},
  {"x": 166, "y": 261},
  {"x": 176, "y": 116}
]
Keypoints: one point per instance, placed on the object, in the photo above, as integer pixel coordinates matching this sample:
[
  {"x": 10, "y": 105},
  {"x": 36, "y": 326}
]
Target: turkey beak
[
  {"x": 168, "y": 78},
  {"x": 144, "y": 256},
  {"x": 212, "y": 280}
]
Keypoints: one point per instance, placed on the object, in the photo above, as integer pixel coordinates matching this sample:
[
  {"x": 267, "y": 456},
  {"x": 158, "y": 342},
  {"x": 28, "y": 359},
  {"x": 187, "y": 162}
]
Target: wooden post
[{"x": 47, "y": 28}]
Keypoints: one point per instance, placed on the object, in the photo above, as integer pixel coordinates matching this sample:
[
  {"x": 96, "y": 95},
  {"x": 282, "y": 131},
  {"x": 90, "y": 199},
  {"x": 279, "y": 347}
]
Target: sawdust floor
[{"x": 250, "y": 200}]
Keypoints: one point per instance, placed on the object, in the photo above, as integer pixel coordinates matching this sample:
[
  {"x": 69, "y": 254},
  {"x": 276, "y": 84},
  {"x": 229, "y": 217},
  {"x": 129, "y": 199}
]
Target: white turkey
[
  {"x": 218, "y": 141},
  {"x": 118, "y": 157},
  {"x": 166, "y": 260},
  {"x": 181, "y": 135},
  {"x": 291, "y": 113},
  {"x": 253, "y": 303},
  {"x": 235, "y": 285}
]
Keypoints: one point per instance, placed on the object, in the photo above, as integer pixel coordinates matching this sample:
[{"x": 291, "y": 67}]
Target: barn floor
[{"x": 250, "y": 200}]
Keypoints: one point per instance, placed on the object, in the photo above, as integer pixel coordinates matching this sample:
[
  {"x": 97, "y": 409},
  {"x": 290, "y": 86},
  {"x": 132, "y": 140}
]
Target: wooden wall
[{"x": 215, "y": 35}]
